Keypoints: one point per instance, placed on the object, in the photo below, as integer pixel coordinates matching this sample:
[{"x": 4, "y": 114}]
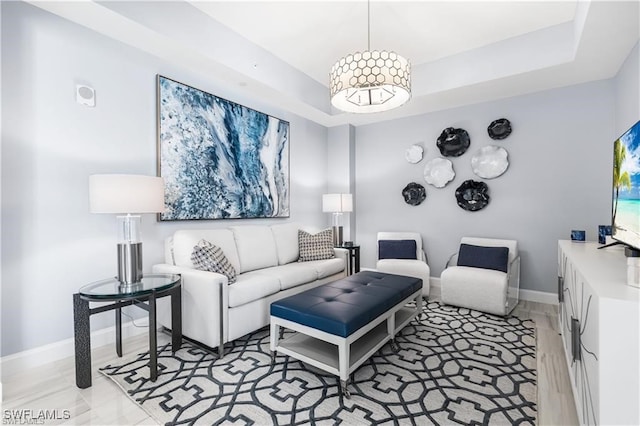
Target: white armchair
[
  {"x": 477, "y": 282},
  {"x": 399, "y": 244}
]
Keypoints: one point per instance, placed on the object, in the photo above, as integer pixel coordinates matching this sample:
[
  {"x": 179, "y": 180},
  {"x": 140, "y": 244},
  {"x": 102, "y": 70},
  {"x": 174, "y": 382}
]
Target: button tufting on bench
[{"x": 346, "y": 305}]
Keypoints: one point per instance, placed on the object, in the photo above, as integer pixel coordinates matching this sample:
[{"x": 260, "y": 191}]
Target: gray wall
[
  {"x": 559, "y": 177},
  {"x": 51, "y": 244},
  {"x": 341, "y": 170},
  {"x": 627, "y": 90}
]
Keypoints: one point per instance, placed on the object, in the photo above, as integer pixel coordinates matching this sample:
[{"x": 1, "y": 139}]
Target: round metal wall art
[
  {"x": 490, "y": 161},
  {"x": 472, "y": 195},
  {"x": 499, "y": 129},
  {"x": 414, "y": 154},
  {"x": 414, "y": 194},
  {"x": 453, "y": 142},
  {"x": 439, "y": 172}
]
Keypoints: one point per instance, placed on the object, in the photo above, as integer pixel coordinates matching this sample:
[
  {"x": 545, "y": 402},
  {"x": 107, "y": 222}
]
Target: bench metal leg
[
  {"x": 391, "y": 330},
  {"x": 343, "y": 389},
  {"x": 394, "y": 346},
  {"x": 274, "y": 336},
  {"x": 344, "y": 354}
]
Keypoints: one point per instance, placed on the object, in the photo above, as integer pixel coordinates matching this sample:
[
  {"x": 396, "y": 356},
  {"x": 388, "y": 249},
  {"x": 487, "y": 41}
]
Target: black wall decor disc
[
  {"x": 472, "y": 195},
  {"x": 453, "y": 142},
  {"x": 414, "y": 194},
  {"x": 499, "y": 129}
]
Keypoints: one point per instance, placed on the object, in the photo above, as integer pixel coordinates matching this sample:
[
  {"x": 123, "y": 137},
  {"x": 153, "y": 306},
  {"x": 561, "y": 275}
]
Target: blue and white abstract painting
[{"x": 220, "y": 160}]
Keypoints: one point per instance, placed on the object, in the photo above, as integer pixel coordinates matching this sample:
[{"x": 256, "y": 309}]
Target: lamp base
[
  {"x": 129, "y": 263},
  {"x": 337, "y": 236}
]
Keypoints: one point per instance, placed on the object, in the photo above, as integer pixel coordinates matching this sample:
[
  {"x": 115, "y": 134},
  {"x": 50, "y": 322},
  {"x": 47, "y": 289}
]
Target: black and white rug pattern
[{"x": 454, "y": 366}]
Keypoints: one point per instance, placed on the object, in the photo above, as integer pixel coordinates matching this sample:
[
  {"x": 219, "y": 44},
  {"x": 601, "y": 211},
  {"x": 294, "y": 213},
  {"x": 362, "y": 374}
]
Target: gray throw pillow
[
  {"x": 315, "y": 246},
  {"x": 209, "y": 257}
]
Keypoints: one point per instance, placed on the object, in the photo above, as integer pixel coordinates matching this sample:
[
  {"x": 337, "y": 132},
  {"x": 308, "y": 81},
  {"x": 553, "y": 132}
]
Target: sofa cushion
[
  {"x": 496, "y": 258},
  {"x": 409, "y": 267},
  {"x": 481, "y": 289},
  {"x": 209, "y": 257},
  {"x": 286, "y": 237},
  {"x": 256, "y": 247},
  {"x": 397, "y": 249},
  {"x": 292, "y": 274},
  {"x": 315, "y": 246},
  {"x": 184, "y": 240},
  {"x": 252, "y": 286},
  {"x": 328, "y": 267}
]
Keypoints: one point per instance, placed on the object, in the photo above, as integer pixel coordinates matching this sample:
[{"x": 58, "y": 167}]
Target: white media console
[{"x": 599, "y": 318}]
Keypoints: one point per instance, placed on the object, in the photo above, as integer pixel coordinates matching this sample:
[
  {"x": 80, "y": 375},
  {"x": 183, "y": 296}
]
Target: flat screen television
[{"x": 625, "y": 214}]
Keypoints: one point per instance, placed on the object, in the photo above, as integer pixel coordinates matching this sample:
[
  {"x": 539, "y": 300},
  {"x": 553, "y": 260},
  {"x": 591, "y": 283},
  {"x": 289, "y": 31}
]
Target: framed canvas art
[{"x": 219, "y": 159}]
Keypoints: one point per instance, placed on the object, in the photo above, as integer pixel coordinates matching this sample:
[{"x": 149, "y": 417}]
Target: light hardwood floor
[{"x": 52, "y": 386}]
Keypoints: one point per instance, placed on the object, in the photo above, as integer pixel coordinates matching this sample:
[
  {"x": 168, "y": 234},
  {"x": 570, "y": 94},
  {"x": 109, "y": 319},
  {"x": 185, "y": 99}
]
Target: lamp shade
[
  {"x": 121, "y": 194},
  {"x": 370, "y": 81},
  {"x": 337, "y": 203}
]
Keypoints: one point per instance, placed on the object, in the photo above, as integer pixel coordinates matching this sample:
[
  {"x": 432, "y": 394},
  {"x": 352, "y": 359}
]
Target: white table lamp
[
  {"x": 128, "y": 196},
  {"x": 337, "y": 204}
]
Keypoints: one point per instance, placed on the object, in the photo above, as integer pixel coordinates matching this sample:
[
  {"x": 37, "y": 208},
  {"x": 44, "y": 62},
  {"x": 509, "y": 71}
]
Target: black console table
[{"x": 152, "y": 287}]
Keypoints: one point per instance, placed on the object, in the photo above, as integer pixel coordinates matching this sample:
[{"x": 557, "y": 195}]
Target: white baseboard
[
  {"x": 16, "y": 363},
  {"x": 528, "y": 295},
  {"x": 539, "y": 296},
  {"x": 434, "y": 282}
]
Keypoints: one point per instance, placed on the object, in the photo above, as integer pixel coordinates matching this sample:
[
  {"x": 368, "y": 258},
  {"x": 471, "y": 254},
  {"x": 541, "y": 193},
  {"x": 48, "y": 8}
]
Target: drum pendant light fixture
[{"x": 370, "y": 81}]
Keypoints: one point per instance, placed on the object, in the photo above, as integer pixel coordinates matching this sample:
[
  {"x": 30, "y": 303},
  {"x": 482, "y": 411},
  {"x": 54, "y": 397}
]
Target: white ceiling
[
  {"x": 462, "y": 52},
  {"x": 312, "y": 35}
]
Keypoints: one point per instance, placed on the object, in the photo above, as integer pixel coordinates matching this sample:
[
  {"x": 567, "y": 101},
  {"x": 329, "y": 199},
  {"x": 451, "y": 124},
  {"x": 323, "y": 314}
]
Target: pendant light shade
[{"x": 371, "y": 81}]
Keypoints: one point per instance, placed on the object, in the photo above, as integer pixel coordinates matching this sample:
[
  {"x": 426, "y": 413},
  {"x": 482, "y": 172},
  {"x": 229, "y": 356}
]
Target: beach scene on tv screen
[{"x": 626, "y": 187}]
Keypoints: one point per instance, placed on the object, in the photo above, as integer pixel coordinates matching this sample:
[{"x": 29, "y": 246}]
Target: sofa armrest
[
  {"x": 205, "y": 304},
  {"x": 342, "y": 254},
  {"x": 453, "y": 260},
  {"x": 514, "y": 281}
]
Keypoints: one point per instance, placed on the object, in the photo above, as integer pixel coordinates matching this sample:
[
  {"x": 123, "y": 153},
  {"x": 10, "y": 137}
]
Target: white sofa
[{"x": 265, "y": 257}]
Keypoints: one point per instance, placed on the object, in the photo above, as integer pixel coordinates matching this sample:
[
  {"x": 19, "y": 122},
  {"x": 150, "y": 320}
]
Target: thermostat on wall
[{"x": 85, "y": 95}]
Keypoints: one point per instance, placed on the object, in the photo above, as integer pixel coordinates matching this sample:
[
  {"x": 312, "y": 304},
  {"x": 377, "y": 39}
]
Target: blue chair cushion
[
  {"x": 396, "y": 249},
  {"x": 496, "y": 258},
  {"x": 344, "y": 306}
]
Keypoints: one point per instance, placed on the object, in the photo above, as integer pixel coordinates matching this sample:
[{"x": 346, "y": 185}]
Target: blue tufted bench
[{"x": 341, "y": 324}]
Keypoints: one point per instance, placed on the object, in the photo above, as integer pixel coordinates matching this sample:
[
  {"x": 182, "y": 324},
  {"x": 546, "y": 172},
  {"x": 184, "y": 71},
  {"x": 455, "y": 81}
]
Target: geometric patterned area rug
[{"x": 454, "y": 366}]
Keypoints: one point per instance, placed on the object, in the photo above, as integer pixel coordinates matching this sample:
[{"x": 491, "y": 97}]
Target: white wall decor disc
[
  {"x": 414, "y": 154},
  {"x": 490, "y": 161},
  {"x": 438, "y": 172}
]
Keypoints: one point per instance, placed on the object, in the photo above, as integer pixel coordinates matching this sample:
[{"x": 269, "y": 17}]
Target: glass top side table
[
  {"x": 111, "y": 288},
  {"x": 142, "y": 295}
]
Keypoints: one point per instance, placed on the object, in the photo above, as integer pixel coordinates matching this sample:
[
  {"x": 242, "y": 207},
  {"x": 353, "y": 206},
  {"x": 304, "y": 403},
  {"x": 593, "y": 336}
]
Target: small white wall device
[{"x": 85, "y": 95}]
